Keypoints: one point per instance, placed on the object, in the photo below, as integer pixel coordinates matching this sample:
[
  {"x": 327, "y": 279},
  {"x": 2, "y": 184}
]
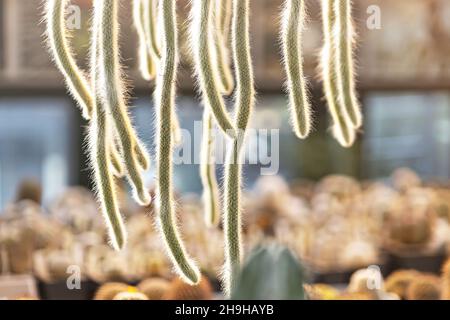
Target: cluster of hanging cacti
[
  {"x": 115, "y": 149},
  {"x": 337, "y": 70}
]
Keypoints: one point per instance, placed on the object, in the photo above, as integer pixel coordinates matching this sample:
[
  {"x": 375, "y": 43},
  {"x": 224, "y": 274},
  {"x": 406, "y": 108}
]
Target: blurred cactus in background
[
  {"x": 270, "y": 273},
  {"x": 154, "y": 288},
  {"x": 446, "y": 280},
  {"x": 424, "y": 287},
  {"x": 109, "y": 290},
  {"x": 398, "y": 282},
  {"x": 130, "y": 296},
  {"x": 29, "y": 189},
  {"x": 179, "y": 290}
]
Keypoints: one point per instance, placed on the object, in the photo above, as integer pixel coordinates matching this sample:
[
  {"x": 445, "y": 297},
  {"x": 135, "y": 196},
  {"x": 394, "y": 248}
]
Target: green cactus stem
[
  {"x": 244, "y": 102},
  {"x": 77, "y": 81},
  {"x": 211, "y": 197},
  {"x": 150, "y": 28},
  {"x": 221, "y": 27},
  {"x": 342, "y": 129},
  {"x": 100, "y": 146},
  {"x": 202, "y": 40},
  {"x": 61, "y": 52},
  {"x": 293, "y": 21},
  {"x": 344, "y": 63},
  {"x": 147, "y": 66},
  {"x": 164, "y": 105},
  {"x": 133, "y": 152}
]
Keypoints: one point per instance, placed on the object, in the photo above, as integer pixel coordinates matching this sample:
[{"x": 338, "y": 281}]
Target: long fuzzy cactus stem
[
  {"x": 150, "y": 27},
  {"x": 221, "y": 49},
  {"x": 57, "y": 34},
  {"x": 147, "y": 66},
  {"x": 245, "y": 99},
  {"x": 293, "y": 21},
  {"x": 76, "y": 80},
  {"x": 342, "y": 129},
  {"x": 202, "y": 38},
  {"x": 100, "y": 150},
  {"x": 149, "y": 15},
  {"x": 345, "y": 64},
  {"x": 133, "y": 152},
  {"x": 116, "y": 158},
  {"x": 104, "y": 180},
  {"x": 164, "y": 104},
  {"x": 224, "y": 18},
  {"x": 211, "y": 197}
]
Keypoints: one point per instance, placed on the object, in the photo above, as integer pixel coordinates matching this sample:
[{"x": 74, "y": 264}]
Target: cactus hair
[
  {"x": 244, "y": 102},
  {"x": 211, "y": 197},
  {"x": 112, "y": 88},
  {"x": 345, "y": 62},
  {"x": 293, "y": 21},
  {"x": 146, "y": 62},
  {"x": 100, "y": 151},
  {"x": 61, "y": 52},
  {"x": 164, "y": 98},
  {"x": 342, "y": 129},
  {"x": 202, "y": 38}
]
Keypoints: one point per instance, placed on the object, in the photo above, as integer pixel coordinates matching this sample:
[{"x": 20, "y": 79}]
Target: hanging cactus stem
[
  {"x": 150, "y": 28},
  {"x": 105, "y": 181},
  {"x": 149, "y": 52},
  {"x": 116, "y": 159},
  {"x": 223, "y": 18},
  {"x": 342, "y": 129},
  {"x": 101, "y": 144},
  {"x": 245, "y": 99},
  {"x": 344, "y": 63},
  {"x": 133, "y": 152},
  {"x": 220, "y": 45},
  {"x": 76, "y": 80},
  {"x": 164, "y": 105},
  {"x": 146, "y": 62},
  {"x": 211, "y": 196},
  {"x": 57, "y": 34},
  {"x": 201, "y": 31},
  {"x": 293, "y": 21}
]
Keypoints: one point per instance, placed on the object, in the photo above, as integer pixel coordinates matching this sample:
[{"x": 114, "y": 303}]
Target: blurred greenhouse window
[
  {"x": 36, "y": 142},
  {"x": 407, "y": 129},
  {"x": 41, "y": 138},
  {"x": 309, "y": 159}
]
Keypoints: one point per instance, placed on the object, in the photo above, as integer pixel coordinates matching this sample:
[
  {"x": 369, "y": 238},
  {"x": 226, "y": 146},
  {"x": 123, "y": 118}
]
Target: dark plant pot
[
  {"x": 333, "y": 277},
  {"x": 421, "y": 261},
  {"x": 59, "y": 291}
]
